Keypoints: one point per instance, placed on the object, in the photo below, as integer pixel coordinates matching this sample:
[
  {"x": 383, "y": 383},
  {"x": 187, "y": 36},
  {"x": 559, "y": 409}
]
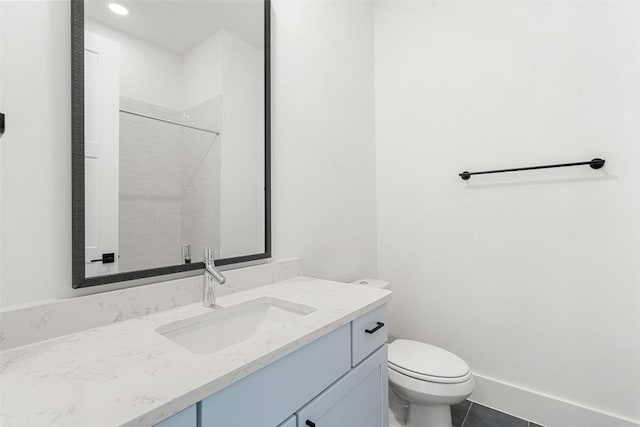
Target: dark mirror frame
[{"x": 79, "y": 279}]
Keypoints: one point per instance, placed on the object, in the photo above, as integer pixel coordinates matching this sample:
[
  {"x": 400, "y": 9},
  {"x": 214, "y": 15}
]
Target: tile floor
[{"x": 469, "y": 414}]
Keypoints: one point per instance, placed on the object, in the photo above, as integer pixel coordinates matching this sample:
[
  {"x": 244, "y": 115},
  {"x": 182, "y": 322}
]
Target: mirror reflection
[{"x": 174, "y": 132}]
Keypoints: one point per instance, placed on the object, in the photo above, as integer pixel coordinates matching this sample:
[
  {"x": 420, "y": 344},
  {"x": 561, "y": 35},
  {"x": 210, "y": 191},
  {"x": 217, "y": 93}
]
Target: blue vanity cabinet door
[
  {"x": 186, "y": 418},
  {"x": 291, "y": 422},
  {"x": 359, "y": 399},
  {"x": 273, "y": 393}
]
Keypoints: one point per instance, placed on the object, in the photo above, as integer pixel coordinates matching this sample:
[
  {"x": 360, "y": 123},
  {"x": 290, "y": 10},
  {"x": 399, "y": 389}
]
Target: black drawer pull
[
  {"x": 371, "y": 331},
  {"x": 310, "y": 423}
]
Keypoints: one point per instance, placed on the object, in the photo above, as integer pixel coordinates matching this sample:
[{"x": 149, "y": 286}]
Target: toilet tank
[{"x": 374, "y": 283}]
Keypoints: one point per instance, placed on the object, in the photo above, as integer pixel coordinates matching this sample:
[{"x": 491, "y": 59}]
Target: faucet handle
[{"x": 208, "y": 256}]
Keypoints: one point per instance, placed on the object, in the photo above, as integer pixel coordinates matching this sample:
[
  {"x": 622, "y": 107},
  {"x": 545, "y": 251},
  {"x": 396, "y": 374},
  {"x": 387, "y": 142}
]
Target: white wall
[
  {"x": 36, "y": 152},
  {"x": 147, "y": 72},
  {"x": 532, "y": 277},
  {"x": 202, "y": 71},
  {"x": 324, "y": 194},
  {"x": 323, "y": 152}
]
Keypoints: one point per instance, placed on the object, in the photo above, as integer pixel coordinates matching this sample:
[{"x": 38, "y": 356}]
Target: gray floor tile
[
  {"x": 481, "y": 416},
  {"x": 458, "y": 412}
]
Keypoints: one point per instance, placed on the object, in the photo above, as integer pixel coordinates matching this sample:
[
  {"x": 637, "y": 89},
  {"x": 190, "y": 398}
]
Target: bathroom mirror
[{"x": 170, "y": 136}]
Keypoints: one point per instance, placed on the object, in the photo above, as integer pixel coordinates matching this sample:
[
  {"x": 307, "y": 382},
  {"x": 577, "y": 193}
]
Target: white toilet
[{"x": 429, "y": 378}]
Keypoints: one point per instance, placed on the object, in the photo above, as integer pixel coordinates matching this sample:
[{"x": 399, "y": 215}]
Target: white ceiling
[{"x": 178, "y": 25}]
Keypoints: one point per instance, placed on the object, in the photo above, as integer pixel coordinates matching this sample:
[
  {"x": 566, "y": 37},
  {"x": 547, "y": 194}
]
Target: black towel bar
[{"x": 595, "y": 164}]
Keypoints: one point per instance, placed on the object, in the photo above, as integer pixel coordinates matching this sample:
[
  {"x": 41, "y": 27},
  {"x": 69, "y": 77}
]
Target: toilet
[{"x": 429, "y": 378}]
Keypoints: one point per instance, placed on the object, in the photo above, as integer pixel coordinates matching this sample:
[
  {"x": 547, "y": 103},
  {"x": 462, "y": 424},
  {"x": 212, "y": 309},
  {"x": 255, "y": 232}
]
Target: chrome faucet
[{"x": 211, "y": 276}]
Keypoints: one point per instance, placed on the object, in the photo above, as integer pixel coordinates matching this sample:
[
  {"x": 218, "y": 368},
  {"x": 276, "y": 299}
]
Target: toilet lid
[{"x": 426, "y": 360}]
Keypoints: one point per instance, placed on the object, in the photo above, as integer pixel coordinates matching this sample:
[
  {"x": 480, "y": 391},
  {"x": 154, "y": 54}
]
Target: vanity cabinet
[{"x": 338, "y": 380}]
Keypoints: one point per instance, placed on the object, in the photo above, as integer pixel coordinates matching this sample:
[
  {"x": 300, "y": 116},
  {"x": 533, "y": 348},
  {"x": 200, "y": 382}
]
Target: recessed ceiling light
[{"x": 117, "y": 8}]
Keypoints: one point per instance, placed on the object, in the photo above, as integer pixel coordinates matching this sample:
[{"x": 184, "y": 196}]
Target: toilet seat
[
  {"x": 426, "y": 362},
  {"x": 429, "y": 378}
]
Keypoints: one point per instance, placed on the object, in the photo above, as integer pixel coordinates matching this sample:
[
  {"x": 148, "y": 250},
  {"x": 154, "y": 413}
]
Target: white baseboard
[{"x": 540, "y": 408}]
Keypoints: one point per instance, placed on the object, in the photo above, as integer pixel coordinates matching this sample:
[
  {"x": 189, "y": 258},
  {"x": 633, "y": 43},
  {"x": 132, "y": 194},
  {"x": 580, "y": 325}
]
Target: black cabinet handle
[
  {"x": 371, "y": 331},
  {"x": 1, "y": 123},
  {"x": 109, "y": 258},
  {"x": 310, "y": 423}
]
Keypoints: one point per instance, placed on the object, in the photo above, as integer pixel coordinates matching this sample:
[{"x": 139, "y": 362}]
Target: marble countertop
[{"x": 127, "y": 374}]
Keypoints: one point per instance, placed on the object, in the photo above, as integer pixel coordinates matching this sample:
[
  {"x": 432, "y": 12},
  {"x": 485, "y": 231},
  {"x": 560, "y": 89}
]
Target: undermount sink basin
[{"x": 224, "y": 327}]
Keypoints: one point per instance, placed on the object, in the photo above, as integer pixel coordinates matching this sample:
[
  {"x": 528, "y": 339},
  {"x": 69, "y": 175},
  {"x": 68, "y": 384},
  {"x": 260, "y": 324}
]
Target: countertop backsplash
[{"x": 52, "y": 318}]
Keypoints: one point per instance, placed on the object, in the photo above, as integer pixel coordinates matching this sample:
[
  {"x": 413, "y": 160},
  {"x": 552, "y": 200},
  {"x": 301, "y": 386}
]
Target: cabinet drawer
[{"x": 368, "y": 333}]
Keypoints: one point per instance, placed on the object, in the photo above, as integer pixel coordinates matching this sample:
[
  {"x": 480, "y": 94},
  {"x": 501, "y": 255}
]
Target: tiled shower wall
[{"x": 169, "y": 184}]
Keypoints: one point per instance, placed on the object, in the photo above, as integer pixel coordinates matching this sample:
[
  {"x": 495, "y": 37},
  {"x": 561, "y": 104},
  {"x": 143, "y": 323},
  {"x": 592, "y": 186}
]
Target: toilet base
[{"x": 429, "y": 416}]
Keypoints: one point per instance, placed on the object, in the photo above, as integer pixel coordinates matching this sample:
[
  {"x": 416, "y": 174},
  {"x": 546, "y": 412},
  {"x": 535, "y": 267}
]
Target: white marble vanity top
[{"x": 127, "y": 374}]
